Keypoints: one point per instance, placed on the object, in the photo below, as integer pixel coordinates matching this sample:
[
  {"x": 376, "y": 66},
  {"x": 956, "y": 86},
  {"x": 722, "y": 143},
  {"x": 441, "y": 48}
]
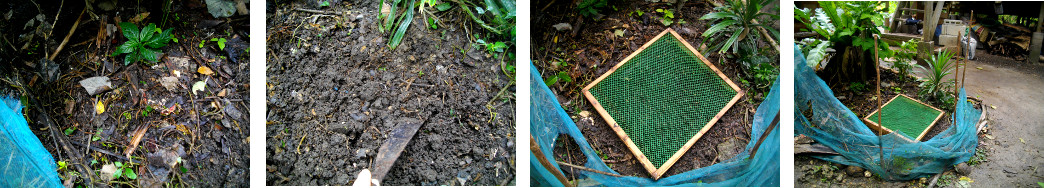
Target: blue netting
[
  {"x": 834, "y": 125},
  {"x": 549, "y": 121},
  {"x": 23, "y": 160}
]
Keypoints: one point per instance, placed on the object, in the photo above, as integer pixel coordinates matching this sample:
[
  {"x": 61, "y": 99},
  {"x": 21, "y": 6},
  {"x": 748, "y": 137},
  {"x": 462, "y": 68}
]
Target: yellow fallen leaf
[
  {"x": 556, "y": 39},
  {"x": 205, "y": 70},
  {"x": 965, "y": 178},
  {"x": 100, "y": 107},
  {"x": 1021, "y": 140},
  {"x": 980, "y": 68},
  {"x": 994, "y": 107}
]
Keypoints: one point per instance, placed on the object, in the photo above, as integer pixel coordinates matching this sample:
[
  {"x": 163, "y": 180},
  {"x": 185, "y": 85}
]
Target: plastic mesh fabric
[
  {"x": 906, "y": 115},
  {"x": 23, "y": 160},
  {"x": 662, "y": 97}
]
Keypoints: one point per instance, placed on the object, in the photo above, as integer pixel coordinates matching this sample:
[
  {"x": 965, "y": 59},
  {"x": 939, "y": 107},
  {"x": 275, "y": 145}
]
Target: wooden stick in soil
[
  {"x": 877, "y": 67},
  {"x": 535, "y": 149},
  {"x": 66, "y": 40},
  {"x": 578, "y": 167}
]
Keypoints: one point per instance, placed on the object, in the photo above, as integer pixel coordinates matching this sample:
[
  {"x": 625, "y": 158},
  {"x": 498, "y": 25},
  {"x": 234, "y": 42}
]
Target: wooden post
[
  {"x": 877, "y": 62},
  {"x": 894, "y": 23},
  {"x": 930, "y": 23},
  {"x": 1040, "y": 19}
]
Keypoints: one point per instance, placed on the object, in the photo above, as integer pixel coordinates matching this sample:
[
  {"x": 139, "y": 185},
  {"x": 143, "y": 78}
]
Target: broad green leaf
[
  {"x": 718, "y": 27},
  {"x": 401, "y": 31},
  {"x": 443, "y": 6},
  {"x": 127, "y": 47},
  {"x": 147, "y": 33},
  {"x": 130, "y": 31},
  {"x": 130, "y": 174}
]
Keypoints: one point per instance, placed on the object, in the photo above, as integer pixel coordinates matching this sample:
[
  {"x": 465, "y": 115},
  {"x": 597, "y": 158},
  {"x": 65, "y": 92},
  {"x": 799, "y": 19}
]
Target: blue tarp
[
  {"x": 23, "y": 160},
  {"x": 549, "y": 121}
]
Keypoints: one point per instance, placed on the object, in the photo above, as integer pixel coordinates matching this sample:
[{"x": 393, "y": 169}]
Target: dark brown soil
[
  {"x": 208, "y": 131},
  {"x": 335, "y": 91},
  {"x": 591, "y": 49}
]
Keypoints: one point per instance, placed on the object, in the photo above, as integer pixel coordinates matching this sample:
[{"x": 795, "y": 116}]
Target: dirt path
[{"x": 1014, "y": 89}]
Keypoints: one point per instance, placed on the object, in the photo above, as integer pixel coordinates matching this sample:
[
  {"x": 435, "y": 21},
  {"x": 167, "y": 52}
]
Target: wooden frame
[
  {"x": 658, "y": 172},
  {"x": 885, "y": 130}
]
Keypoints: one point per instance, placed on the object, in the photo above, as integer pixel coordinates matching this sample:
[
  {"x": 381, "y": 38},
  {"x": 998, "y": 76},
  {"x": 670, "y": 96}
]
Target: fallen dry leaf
[
  {"x": 100, "y": 107},
  {"x": 205, "y": 70}
]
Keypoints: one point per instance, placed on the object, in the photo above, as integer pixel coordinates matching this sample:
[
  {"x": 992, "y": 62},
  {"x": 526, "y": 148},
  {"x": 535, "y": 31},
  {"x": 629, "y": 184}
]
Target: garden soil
[
  {"x": 191, "y": 139},
  {"x": 335, "y": 91}
]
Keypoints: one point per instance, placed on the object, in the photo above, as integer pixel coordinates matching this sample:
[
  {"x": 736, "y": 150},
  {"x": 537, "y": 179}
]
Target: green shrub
[
  {"x": 905, "y": 61},
  {"x": 935, "y": 86},
  {"x": 143, "y": 44},
  {"x": 734, "y": 22}
]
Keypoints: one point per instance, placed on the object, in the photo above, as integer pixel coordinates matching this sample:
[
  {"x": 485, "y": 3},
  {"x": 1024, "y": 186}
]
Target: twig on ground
[
  {"x": 66, "y": 40},
  {"x": 588, "y": 169},
  {"x": 317, "y": 11}
]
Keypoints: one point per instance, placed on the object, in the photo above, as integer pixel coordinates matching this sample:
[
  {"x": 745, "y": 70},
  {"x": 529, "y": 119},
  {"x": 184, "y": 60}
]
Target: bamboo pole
[
  {"x": 877, "y": 68},
  {"x": 533, "y": 147}
]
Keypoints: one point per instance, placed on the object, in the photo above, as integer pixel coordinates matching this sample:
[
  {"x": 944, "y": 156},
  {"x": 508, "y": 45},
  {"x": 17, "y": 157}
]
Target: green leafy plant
[
  {"x": 69, "y": 131},
  {"x": 978, "y": 158},
  {"x": 560, "y": 77},
  {"x": 668, "y": 17},
  {"x": 905, "y": 58},
  {"x": 588, "y": 8},
  {"x": 324, "y": 4},
  {"x": 142, "y": 44},
  {"x": 935, "y": 86},
  {"x": 221, "y": 42},
  {"x": 849, "y": 27},
  {"x": 857, "y": 87},
  {"x": 736, "y": 21},
  {"x": 637, "y": 11},
  {"x": 124, "y": 170},
  {"x": 401, "y": 22}
]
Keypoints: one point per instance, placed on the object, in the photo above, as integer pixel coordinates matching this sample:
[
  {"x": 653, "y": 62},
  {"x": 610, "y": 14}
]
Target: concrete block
[{"x": 949, "y": 40}]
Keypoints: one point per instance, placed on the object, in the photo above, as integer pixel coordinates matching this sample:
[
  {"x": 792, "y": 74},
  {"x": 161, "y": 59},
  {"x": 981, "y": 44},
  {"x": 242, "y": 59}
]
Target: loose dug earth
[
  {"x": 591, "y": 48},
  {"x": 189, "y": 140},
  {"x": 335, "y": 91}
]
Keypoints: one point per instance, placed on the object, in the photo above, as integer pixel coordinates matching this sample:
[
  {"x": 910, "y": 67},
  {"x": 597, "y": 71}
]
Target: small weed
[
  {"x": 668, "y": 16},
  {"x": 637, "y": 11},
  {"x": 560, "y": 77},
  {"x": 221, "y": 42},
  {"x": 946, "y": 180},
  {"x": 143, "y": 44},
  {"x": 978, "y": 158},
  {"x": 420, "y": 73},
  {"x": 857, "y": 87},
  {"x": 69, "y": 131},
  {"x": 897, "y": 89},
  {"x": 124, "y": 170},
  {"x": 62, "y": 165},
  {"x": 324, "y": 4}
]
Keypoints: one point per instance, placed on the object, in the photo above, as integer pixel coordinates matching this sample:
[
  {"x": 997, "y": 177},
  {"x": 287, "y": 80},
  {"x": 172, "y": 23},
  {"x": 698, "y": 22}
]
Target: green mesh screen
[
  {"x": 907, "y": 116},
  {"x": 662, "y": 97}
]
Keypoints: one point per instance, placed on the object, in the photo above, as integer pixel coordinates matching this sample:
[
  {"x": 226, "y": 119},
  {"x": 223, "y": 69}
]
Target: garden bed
[
  {"x": 335, "y": 91},
  {"x": 591, "y": 48},
  {"x": 179, "y": 137}
]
